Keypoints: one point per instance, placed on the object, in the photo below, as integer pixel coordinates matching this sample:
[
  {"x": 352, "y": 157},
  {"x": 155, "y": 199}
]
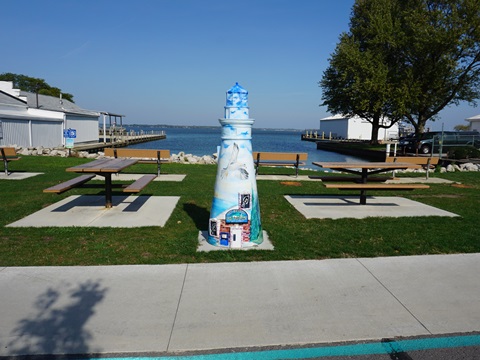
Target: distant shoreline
[{"x": 204, "y": 127}]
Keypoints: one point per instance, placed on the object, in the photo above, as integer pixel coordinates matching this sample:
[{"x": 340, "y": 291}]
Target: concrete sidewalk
[{"x": 168, "y": 308}]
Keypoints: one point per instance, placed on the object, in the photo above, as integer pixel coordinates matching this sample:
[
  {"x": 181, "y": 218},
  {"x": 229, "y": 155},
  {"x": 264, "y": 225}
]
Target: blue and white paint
[{"x": 235, "y": 213}]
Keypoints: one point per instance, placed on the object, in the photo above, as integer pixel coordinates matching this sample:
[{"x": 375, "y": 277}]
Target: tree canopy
[
  {"x": 405, "y": 59},
  {"x": 34, "y": 85}
]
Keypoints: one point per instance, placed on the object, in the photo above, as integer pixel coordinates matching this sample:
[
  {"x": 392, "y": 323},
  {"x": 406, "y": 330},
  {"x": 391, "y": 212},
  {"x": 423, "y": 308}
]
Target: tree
[
  {"x": 427, "y": 50},
  {"x": 438, "y": 57},
  {"x": 358, "y": 80},
  {"x": 461, "y": 127},
  {"x": 34, "y": 85}
]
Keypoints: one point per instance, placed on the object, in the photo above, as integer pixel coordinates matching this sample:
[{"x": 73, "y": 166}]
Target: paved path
[{"x": 170, "y": 308}]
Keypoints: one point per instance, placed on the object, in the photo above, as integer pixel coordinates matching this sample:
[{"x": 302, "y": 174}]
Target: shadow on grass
[{"x": 198, "y": 214}]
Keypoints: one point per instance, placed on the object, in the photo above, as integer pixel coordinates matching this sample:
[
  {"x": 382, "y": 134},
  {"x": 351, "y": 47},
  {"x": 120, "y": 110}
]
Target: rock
[
  {"x": 191, "y": 159},
  {"x": 450, "y": 168},
  {"x": 469, "y": 167}
]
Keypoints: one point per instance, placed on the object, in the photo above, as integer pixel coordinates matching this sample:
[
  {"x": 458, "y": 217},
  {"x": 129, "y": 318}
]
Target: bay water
[{"x": 201, "y": 141}]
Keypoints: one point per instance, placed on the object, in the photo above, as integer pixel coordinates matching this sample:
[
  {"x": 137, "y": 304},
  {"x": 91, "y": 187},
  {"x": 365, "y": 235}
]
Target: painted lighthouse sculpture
[{"x": 235, "y": 213}]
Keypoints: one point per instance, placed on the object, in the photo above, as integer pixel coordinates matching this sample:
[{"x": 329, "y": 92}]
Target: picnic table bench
[
  {"x": 8, "y": 154},
  {"x": 139, "y": 184},
  {"x": 69, "y": 184},
  {"x": 146, "y": 156},
  {"x": 262, "y": 158}
]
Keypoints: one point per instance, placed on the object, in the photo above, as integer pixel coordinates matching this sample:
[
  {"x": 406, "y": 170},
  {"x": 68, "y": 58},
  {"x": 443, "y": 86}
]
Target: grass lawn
[{"x": 293, "y": 236}]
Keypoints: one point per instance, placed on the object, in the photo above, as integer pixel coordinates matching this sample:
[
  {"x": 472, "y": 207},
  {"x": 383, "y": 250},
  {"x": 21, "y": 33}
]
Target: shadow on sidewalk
[{"x": 58, "y": 326}]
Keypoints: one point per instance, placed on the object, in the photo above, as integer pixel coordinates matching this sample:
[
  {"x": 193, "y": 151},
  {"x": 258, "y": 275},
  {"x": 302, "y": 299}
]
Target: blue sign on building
[{"x": 70, "y": 133}]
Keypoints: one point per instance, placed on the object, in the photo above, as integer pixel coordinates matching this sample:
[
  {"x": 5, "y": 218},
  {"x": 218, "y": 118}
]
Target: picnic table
[
  {"x": 363, "y": 170},
  {"x": 105, "y": 168}
]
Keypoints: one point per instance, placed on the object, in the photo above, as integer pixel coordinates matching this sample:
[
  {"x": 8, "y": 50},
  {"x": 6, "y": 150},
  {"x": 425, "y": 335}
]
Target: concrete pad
[
  {"x": 205, "y": 246},
  {"x": 88, "y": 309},
  {"x": 339, "y": 207},
  {"x": 441, "y": 291},
  {"x": 89, "y": 210},
  {"x": 232, "y": 305},
  {"x": 133, "y": 177},
  {"x": 18, "y": 175}
]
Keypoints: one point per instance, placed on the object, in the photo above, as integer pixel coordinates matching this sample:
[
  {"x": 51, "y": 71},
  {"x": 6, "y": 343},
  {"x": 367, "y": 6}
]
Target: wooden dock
[{"x": 122, "y": 140}]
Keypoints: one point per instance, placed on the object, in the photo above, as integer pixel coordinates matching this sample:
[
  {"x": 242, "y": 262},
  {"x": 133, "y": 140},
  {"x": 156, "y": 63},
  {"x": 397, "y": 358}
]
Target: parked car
[{"x": 432, "y": 140}]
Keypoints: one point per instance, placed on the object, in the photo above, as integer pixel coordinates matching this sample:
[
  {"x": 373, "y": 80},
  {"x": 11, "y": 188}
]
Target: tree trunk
[{"x": 375, "y": 128}]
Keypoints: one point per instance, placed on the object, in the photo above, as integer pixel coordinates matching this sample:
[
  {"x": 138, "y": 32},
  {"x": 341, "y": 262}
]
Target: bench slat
[
  {"x": 67, "y": 185},
  {"x": 9, "y": 153},
  {"x": 280, "y": 156},
  {"x": 139, "y": 184},
  {"x": 275, "y": 163},
  {"x": 420, "y": 160},
  {"x": 152, "y": 154}
]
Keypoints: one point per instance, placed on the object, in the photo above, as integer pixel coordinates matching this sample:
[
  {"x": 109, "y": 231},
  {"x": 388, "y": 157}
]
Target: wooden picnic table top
[
  {"x": 367, "y": 165},
  {"x": 103, "y": 166}
]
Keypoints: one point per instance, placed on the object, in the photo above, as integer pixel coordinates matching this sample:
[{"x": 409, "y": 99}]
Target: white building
[
  {"x": 474, "y": 122},
  {"x": 33, "y": 120},
  {"x": 354, "y": 128}
]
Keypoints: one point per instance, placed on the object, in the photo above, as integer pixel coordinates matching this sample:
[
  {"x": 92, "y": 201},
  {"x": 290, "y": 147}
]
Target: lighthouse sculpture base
[{"x": 205, "y": 246}]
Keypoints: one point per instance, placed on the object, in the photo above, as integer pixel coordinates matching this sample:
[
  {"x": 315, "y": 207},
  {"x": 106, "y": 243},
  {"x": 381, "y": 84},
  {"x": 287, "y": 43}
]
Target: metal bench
[
  {"x": 279, "y": 159},
  {"x": 147, "y": 156},
  {"x": 8, "y": 154},
  {"x": 67, "y": 185}
]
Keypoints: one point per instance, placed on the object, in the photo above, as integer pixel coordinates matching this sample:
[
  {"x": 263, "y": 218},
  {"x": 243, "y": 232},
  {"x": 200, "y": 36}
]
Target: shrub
[{"x": 464, "y": 152}]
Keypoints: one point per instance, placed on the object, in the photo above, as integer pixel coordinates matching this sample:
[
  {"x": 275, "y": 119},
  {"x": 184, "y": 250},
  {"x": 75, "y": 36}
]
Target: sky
[{"x": 172, "y": 61}]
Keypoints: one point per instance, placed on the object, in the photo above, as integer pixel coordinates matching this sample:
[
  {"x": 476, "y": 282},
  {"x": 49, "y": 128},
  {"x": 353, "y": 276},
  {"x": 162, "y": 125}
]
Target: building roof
[
  {"x": 336, "y": 117},
  {"x": 473, "y": 118},
  {"x": 46, "y": 102},
  {"x": 8, "y": 99}
]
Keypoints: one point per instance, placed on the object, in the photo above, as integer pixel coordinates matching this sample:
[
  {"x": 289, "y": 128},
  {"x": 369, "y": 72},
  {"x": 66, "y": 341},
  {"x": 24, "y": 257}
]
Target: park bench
[
  {"x": 427, "y": 162},
  {"x": 279, "y": 159},
  {"x": 147, "y": 156},
  {"x": 67, "y": 185},
  {"x": 364, "y": 187},
  {"x": 8, "y": 154}
]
